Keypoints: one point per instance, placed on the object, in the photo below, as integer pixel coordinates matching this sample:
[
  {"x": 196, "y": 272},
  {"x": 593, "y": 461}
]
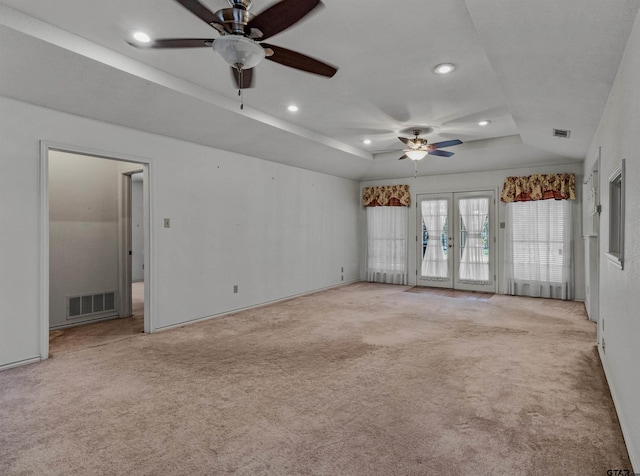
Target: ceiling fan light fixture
[
  {"x": 239, "y": 51},
  {"x": 416, "y": 154},
  {"x": 444, "y": 68}
]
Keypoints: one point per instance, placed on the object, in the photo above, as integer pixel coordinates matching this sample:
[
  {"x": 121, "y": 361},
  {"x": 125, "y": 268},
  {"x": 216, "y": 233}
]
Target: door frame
[
  {"x": 125, "y": 227},
  {"x": 148, "y": 194},
  {"x": 493, "y": 224},
  {"x": 591, "y": 236}
]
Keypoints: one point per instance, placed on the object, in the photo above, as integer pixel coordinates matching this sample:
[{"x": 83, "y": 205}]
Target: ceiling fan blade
[
  {"x": 199, "y": 10},
  {"x": 408, "y": 142},
  {"x": 441, "y": 153},
  {"x": 175, "y": 43},
  {"x": 446, "y": 143},
  {"x": 281, "y": 16},
  {"x": 243, "y": 79},
  {"x": 299, "y": 61},
  {"x": 405, "y": 156}
]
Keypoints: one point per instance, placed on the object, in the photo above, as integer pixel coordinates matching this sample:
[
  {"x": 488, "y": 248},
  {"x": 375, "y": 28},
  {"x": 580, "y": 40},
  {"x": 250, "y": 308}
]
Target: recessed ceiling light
[
  {"x": 293, "y": 108},
  {"x": 444, "y": 68},
  {"x": 484, "y": 122},
  {"x": 141, "y": 36},
  {"x": 366, "y": 141}
]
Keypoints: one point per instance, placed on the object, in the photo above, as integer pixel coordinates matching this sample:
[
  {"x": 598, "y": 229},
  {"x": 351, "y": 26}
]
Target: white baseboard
[
  {"x": 83, "y": 323},
  {"x": 233, "y": 311},
  {"x": 19, "y": 363},
  {"x": 635, "y": 458}
]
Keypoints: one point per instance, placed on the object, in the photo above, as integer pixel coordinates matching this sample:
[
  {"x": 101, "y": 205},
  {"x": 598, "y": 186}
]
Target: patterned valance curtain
[
  {"x": 386, "y": 196},
  {"x": 539, "y": 187}
]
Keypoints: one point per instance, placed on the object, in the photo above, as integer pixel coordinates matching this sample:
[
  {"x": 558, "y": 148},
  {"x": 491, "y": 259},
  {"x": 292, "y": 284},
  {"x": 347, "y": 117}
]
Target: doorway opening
[
  {"x": 95, "y": 208},
  {"x": 456, "y": 245}
]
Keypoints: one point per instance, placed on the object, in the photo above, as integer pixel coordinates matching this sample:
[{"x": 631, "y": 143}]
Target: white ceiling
[{"x": 529, "y": 66}]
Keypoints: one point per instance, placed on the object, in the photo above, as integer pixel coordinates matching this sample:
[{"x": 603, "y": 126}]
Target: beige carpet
[
  {"x": 365, "y": 379},
  {"x": 452, "y": 293}
]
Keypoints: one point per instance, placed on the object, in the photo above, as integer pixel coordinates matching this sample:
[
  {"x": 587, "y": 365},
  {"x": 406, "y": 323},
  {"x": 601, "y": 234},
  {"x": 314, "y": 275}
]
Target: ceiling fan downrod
[
  {"x": 243, "y": 4},
  {"x": 233, "y": 21}
]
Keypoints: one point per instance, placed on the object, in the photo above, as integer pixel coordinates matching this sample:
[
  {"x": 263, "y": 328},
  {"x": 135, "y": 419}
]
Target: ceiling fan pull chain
[{"x": 240, "y": 75}]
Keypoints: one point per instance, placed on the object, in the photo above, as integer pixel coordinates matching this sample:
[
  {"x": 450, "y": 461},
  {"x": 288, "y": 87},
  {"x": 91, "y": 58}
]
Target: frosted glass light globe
[{"x": 239, "y": 51}]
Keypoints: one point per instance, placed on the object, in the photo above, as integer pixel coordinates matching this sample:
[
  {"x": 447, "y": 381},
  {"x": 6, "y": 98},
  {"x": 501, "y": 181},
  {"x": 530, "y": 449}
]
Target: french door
[{"x": 457, "y": 246}]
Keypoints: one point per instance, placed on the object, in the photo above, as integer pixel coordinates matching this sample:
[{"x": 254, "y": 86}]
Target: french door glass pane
[
  {"x": 434, "y": 239},
  {"x": 474, "y": 239}
]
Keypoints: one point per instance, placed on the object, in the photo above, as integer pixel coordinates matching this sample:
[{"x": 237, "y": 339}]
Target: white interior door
[{"x": 456, "y": 248}]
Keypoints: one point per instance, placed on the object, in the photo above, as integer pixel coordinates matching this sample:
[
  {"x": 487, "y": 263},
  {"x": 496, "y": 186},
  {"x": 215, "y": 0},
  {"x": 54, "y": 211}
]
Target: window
[
  {"x": 435, "y": 219},
  {"x": 474, "y": 239},
  {"x": 425, "y": 238},
  {"x": 616, "y": 216},
  {"x": 538, "y": 249},
  {"x": 387, "y": 244}
]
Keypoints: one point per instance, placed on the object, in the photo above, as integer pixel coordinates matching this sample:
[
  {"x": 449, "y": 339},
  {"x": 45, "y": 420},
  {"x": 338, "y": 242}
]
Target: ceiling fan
[
  {"x": 240, "y": 31},
  {"x": 418, "y": 148}
]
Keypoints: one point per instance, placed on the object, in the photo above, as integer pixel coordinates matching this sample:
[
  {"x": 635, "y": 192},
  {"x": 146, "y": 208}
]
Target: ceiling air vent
[{"x": 561, "y": 133}]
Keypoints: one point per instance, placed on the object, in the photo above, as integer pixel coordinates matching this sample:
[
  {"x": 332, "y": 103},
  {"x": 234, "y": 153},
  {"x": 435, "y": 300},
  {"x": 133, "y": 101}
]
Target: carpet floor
[{"x": 365, "y": 379}]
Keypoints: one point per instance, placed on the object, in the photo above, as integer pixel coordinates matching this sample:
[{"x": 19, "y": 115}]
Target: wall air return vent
[
  {"x": 92, "y": 305},
  {"x": 561, "y": 133}
]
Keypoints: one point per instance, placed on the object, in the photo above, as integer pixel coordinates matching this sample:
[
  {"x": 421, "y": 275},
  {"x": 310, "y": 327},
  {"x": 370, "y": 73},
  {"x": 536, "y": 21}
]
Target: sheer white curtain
[
  {"x": 387, "y": 244},
  {"x": 474, "y": 263},
  {"x": 434, "y": 260},
  {"x": 538, "y": 249}
]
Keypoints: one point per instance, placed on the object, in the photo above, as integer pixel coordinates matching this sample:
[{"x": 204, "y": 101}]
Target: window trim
[{"x": 615, "y": 254}]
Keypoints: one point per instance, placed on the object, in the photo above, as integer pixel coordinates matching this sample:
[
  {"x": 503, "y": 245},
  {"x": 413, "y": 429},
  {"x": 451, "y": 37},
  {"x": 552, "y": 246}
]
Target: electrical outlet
[
  {"x": 167, "y": 223},
  {"x": 342, "y": 278},
  {"x": 235, "y": 289}
]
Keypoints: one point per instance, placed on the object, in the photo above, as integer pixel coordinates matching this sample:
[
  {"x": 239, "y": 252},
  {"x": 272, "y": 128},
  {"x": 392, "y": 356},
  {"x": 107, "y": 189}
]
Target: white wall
[
  {"x": 486, "y": 181},
  {"x": 619, "y": 323},
  {"x": 83, "y": 230},
  {"x": 273, "y": 230}
]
